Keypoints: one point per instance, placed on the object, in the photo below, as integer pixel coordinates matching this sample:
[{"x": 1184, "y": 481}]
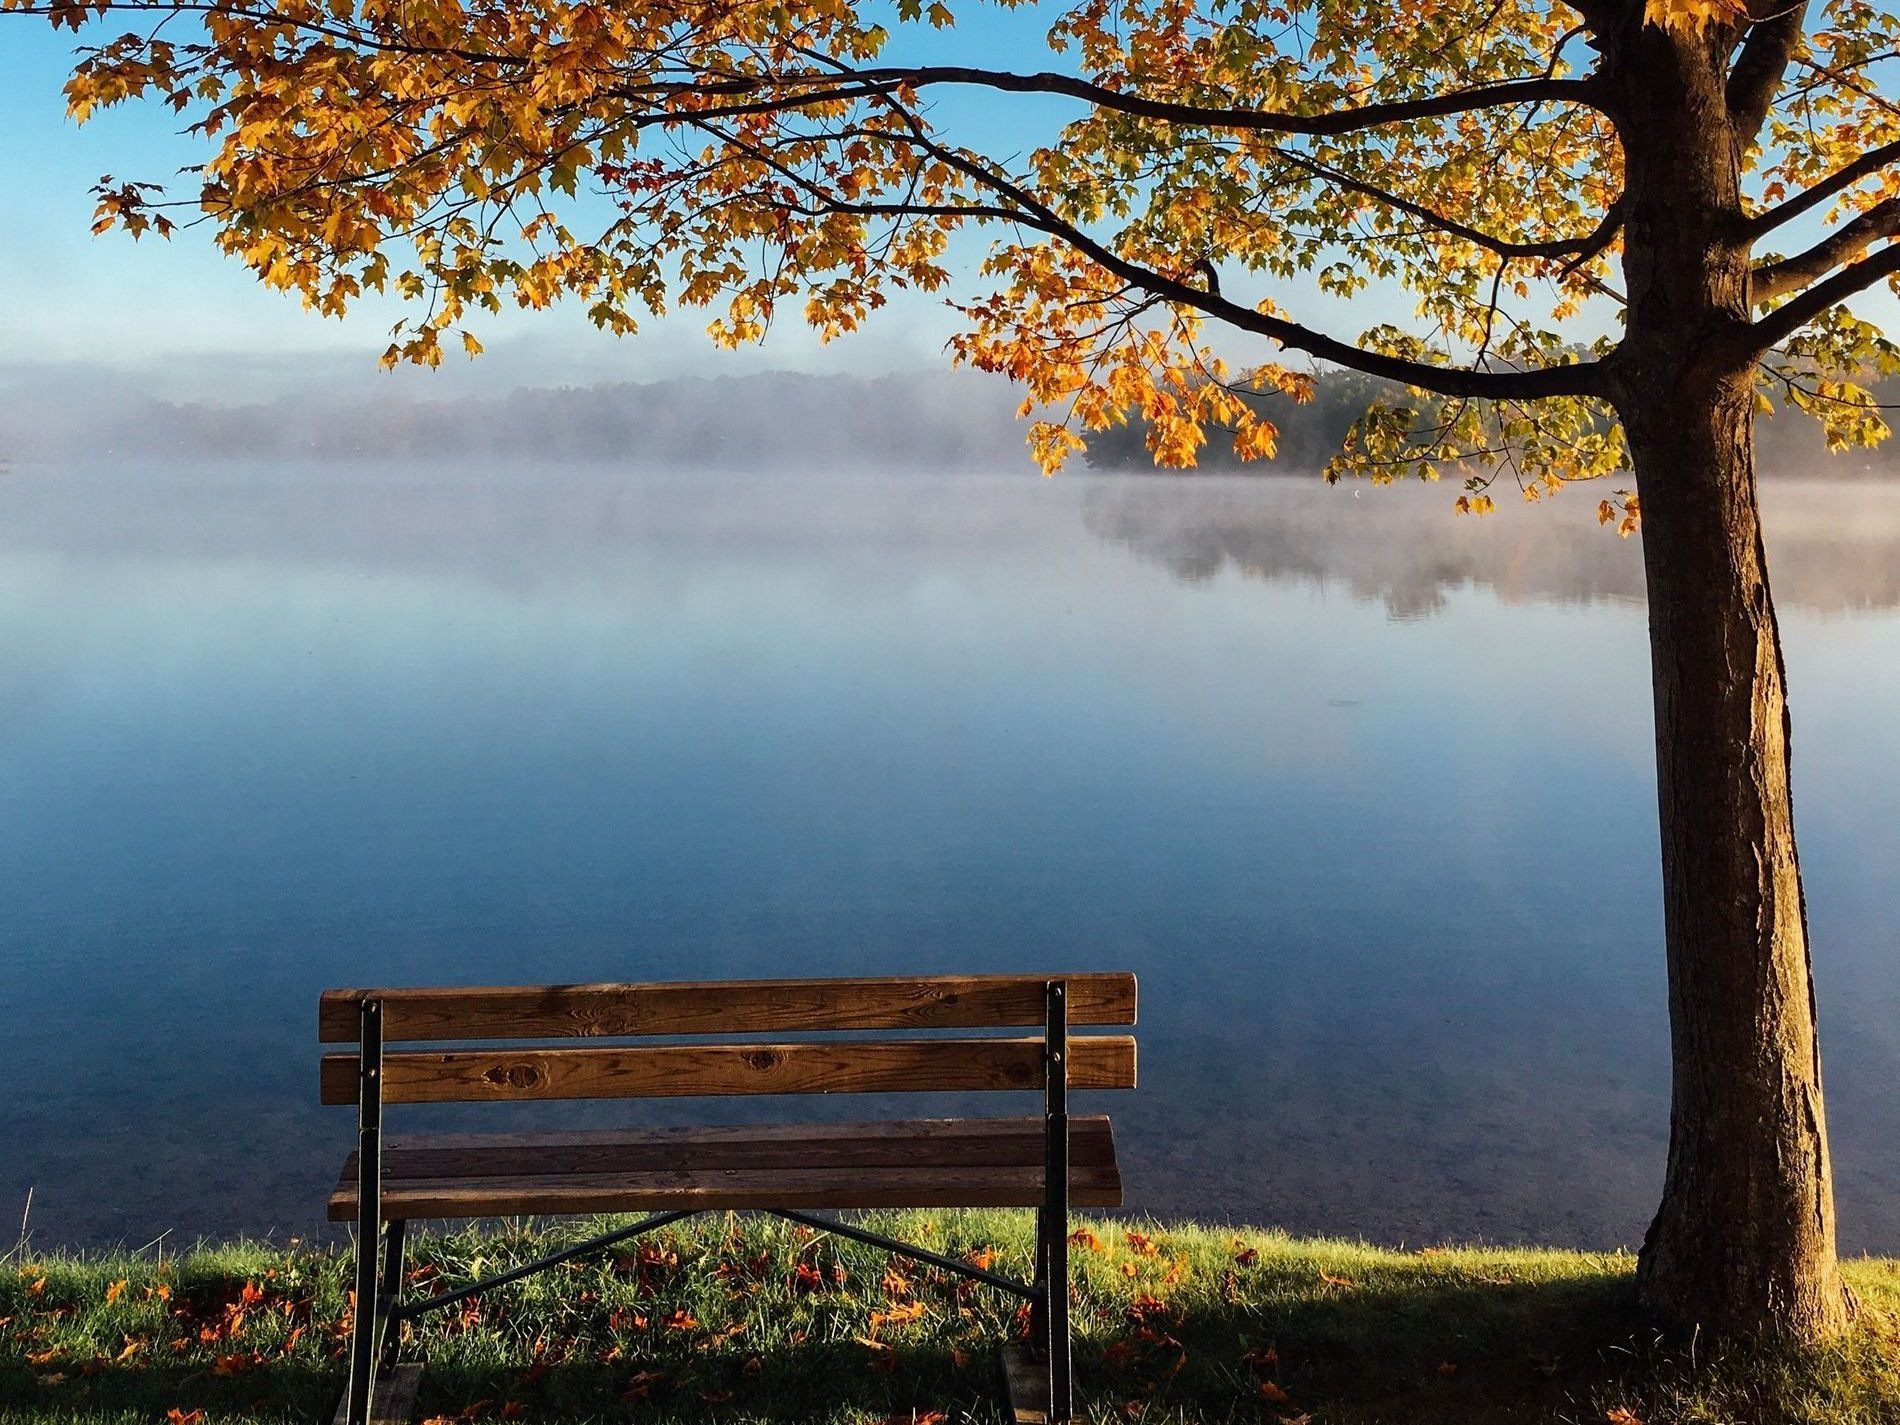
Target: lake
[{"x": 1362, "y": 790}]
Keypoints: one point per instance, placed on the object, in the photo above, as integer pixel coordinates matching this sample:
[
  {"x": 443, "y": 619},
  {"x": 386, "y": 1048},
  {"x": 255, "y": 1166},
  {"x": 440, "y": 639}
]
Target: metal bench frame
[{"x": 380, "y": 1309}]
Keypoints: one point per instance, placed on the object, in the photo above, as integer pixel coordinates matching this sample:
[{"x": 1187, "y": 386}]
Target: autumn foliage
[{"x": 764, "y": 160}]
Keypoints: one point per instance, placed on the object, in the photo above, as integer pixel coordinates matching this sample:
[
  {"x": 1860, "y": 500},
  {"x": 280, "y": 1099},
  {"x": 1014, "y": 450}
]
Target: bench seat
[{"x": 937, "y": 1162}]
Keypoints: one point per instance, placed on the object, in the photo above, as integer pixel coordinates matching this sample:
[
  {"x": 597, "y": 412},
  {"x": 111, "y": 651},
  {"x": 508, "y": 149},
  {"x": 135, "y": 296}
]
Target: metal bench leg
[
  {"x": 389, "y": 1296},
  {"x": 365, "y": 1348},
  {"x": 1053, "y": 1225}
]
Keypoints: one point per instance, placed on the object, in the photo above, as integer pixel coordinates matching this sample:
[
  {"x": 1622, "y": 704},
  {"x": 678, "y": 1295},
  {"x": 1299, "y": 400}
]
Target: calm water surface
[{"x": 1362, "y": 791}]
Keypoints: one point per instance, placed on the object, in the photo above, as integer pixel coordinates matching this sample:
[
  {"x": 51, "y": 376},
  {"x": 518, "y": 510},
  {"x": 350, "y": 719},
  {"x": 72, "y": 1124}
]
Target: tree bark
[
  {"x": 1744, "y": 1239},
  {"x": 1743, "y": 1242}
]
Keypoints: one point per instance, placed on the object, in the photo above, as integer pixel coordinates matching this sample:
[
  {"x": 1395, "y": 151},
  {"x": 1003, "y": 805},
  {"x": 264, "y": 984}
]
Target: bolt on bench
[{"x": 1046, "y": 1162}]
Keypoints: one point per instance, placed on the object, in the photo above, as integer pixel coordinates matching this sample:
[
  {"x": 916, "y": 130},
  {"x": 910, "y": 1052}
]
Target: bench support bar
[
  {"x": 905, "y": 1249},
  {"x": 554, "y": 1259}
]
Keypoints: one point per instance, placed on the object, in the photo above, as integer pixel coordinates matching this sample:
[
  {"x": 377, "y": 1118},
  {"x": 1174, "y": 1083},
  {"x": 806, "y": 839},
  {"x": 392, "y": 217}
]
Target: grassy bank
[{"x": 756, "y": 1320}]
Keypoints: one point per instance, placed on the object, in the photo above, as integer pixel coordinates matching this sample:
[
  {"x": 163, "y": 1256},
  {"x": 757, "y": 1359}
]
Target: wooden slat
[
  {"x": 923, "y": 1143},
  {"x": 732, "y": 1007},
  {"x": 664, "y": 1192},
  {"x": 682, "y": 1070}
]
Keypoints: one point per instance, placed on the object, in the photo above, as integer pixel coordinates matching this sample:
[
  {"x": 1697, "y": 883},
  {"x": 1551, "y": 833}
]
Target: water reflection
[
  {"x": 1390, "y": 885},
  {"x": 1834, "y": 544}
]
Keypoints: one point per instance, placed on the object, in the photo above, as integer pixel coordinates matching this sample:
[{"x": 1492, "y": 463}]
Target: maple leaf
[
  {"x": 115, "y": 1290},
  {"x": 1622, "y": 1415}
]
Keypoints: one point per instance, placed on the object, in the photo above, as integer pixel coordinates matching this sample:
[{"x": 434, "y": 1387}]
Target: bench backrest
[{"x": 737, "y": 1013}]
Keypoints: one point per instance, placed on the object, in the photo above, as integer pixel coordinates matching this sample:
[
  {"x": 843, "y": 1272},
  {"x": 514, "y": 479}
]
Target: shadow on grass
[
  {"x": 1268, "y": 1345},
  {"x": 1470, "y": 1351}
]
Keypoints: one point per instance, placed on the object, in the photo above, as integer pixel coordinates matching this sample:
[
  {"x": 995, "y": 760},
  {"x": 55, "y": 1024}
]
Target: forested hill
[{"x": 1788, "y": 443}]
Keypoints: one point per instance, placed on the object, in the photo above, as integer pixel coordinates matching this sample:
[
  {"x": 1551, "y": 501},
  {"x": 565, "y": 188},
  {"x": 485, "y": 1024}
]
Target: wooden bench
[{"x": 1047, "y": 1162}]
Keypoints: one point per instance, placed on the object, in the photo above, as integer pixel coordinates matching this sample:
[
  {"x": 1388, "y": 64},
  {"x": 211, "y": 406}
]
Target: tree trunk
[
  {"x": 1743, "y": 1242},
  {"x": 1744, "y": 1239}
]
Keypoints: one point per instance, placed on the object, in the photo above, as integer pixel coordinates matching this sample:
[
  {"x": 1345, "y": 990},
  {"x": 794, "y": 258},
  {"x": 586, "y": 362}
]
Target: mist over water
[{"x": 1362, "y": 790}]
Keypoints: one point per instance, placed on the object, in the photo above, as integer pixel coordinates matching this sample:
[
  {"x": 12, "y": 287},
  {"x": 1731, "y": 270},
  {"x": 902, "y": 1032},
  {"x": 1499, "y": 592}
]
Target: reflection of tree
[{"x": 1833, "y": 547}]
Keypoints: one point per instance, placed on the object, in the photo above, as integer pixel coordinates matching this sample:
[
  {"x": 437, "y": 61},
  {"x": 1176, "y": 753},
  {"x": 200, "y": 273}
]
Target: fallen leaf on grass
[
  {"x": 641, "y": 1384},
  {"x": 1246, "y": 1256},
  {"x": 115, "y": 1290},
  {"x": 1622, "y": 1415},
  {"x": 900, "y": 1315},
  {"x": 184, "y": 1417},
  {"x": 1140, "y": 1243},
  {"x": 1326, "y": 1279},
  {"x": 1447, "y": 1369},
  {"x": 1085, "y": 1239},
  {"x": 1271, "y": 1391},
  {"x": 883, "y": 1358}
]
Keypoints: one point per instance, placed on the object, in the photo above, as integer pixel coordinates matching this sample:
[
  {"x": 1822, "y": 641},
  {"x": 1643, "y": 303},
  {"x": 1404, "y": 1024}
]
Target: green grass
[{"x": 756, "y": 1320}]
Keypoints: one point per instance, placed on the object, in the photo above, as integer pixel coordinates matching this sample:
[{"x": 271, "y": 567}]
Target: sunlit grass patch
[{"x": 754, "y": 1319}]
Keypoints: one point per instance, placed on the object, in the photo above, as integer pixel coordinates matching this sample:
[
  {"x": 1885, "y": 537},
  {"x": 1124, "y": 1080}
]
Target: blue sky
[{"x": 178, "y": 320}]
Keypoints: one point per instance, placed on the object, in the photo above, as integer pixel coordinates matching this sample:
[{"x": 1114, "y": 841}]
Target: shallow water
[{"x": 1363, "y": 791}]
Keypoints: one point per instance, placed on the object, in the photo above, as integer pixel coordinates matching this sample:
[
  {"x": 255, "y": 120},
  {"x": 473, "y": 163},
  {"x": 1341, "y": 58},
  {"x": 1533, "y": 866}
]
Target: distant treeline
[
  {"x": 925, "y": 420},
  {"x": 1788, "y": 443},
  {"x": 929, "y": 420}
]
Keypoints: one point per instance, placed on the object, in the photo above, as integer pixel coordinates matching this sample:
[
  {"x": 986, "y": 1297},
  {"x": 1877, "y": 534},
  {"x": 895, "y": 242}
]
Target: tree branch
[
  {"x": 1775, "y": 280},
  {"x": 1502, "y": 247},
  {"x": 1839, "y": 181},
  {"x": 1578, "y": 379},
  {"x": 1756, "y": 77},
  {"x": 1338, "y": 121},
  {"x": 1797, "y": 312}
]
